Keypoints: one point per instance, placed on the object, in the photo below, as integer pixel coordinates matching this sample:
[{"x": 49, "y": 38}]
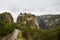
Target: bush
[
  {"x": 6, "y": 28},
  {"x": 38, "y": 34}
]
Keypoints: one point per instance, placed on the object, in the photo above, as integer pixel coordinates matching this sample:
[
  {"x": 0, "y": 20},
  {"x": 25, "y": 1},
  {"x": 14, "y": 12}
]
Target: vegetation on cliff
[
  {"x": 38, "y": 34},
  {"x": 6, "y": 24},
  {"x": 24, "y": 19}
]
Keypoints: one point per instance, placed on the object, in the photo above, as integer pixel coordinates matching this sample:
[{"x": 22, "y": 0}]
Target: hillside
[
  {"x": 48, "y": 21},
  {"x": 29, "y": 27},
  {"x": 6, "y": 24}
]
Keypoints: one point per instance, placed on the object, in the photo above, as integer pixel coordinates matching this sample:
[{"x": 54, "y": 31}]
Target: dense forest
[{"x": 29, "y": 32}]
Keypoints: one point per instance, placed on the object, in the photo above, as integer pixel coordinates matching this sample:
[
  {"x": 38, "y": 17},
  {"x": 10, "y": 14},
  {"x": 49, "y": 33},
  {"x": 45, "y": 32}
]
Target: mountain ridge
[{"x": 48, "y": 20}]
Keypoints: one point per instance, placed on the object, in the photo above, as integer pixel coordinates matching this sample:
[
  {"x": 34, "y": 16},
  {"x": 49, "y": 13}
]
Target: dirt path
[{"x": 14, "y": 35}]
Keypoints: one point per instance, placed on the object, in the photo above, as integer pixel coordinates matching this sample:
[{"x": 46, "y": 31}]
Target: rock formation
[
  {"x": 6, "y": 24},
  {"x": 27, "y": 18},
  {"x": 6, "y": 17}
]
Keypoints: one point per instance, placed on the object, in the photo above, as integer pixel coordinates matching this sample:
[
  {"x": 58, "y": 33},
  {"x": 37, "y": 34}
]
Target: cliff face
[
  {"x": 26, "y": 19},
  {"x": 49, "y": 21},
  {"x": 6, "y": 24},
  {"x": 6, "y": 17}
]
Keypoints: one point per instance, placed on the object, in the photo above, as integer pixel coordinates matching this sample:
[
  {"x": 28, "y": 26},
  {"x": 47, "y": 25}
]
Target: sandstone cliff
[
  {"x": 6, "y": 17},
  {"x": 27, "y": 18}
]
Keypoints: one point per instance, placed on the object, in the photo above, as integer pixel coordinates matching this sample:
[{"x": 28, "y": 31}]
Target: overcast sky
[{"x": 37, "y": 7}]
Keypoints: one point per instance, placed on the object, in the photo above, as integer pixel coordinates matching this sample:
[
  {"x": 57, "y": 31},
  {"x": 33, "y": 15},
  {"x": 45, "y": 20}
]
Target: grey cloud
[{"x": 37, "y": 7}]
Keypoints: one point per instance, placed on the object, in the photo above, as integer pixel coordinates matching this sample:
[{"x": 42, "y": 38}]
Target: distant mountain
[{"x": 48, "y": 21}]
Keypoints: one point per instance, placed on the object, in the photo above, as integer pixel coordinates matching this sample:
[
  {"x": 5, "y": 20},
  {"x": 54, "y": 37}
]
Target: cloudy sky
[{"x": 37, "y": 7}]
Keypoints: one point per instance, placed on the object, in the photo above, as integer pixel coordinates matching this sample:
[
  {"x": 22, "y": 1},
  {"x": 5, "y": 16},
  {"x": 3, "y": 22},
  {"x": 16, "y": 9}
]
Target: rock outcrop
[
  {"x": 27, "y": 18},
  {"x": 6, "y": 17},
  {"x": 6, "y": 24}
]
